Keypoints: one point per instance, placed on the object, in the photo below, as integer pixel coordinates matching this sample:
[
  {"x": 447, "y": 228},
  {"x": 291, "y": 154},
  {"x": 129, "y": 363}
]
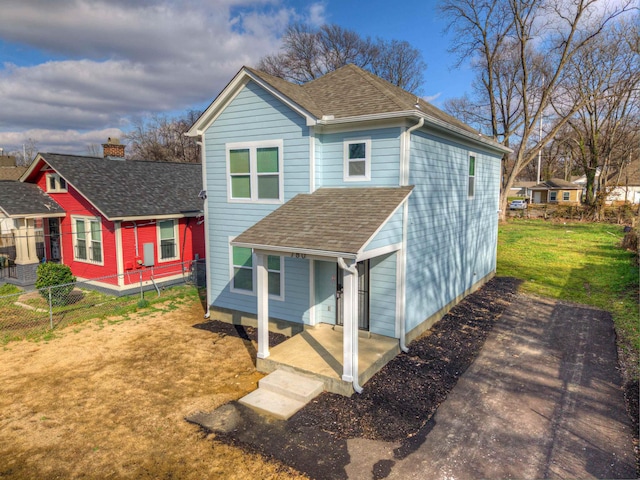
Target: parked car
[{"x": 518, "y": 205}]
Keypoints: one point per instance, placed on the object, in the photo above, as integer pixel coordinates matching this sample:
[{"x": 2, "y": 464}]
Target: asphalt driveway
[{"x": 542, "y": 400}]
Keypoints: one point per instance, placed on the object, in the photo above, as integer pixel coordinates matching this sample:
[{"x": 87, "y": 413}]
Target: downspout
[
  {"x": 405, "y": 222},
  {"x": 207, "y": 250},
  {"x": 353, "y": 270}
]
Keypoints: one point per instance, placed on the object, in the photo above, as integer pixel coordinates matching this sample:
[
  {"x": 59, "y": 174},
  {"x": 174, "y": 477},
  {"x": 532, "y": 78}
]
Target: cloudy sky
[{"x": 74, "y": 72}]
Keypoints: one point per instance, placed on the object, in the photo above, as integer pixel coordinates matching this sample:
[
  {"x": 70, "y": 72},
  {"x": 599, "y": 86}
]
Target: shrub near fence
[{"x": 34, "y": 313}]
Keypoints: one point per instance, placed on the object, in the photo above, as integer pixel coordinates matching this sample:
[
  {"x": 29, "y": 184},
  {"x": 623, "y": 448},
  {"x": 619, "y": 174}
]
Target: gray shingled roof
[
  {"x": 556, "y": 183},
  {"x": 121, "y": 188},
  {"x": 351, "y": 92},
  {"x": 339, "y": 220},
  {"x": 11, "y": 172},
  {"x": 24, "y": 199}
]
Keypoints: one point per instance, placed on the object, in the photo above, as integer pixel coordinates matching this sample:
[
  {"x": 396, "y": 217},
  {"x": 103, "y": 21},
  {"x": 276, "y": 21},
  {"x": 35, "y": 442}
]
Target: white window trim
[
  {"x": 88, "y": 239},
  {"x": 367, "y": 160},
  {"x": 176, "y": 232},
  {"x": 253, "y": 170},
  {"x": 57, "y": 189},
  {"x": 568, "y": 195},
  {"x": 474, "y": 176},
  {"x": 555, "y": 193},
  {"x": 254, "y": 278}
]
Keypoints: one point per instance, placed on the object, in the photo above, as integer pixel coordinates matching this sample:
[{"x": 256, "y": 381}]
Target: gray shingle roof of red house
[
  {"x": 121, "y": 189},
  {"x": 25, "y": 199},
  {"x": 339, "y": 220}
]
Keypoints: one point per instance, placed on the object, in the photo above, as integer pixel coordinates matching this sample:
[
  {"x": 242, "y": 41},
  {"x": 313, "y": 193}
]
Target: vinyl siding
[
  {"x": 451, "y": 240},
  {"x": 391, "y": 233},
  {"x": 325, "y": 283},
  {"x": 255, "y": 115},
  {"x": 382, "y": 295},
  {"x": 385, "y": 157}
]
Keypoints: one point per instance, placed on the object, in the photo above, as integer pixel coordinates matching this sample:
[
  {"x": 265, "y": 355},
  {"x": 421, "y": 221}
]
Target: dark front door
[
  {"x": 363, "y": 296},
  {"x": 54, "y": 239}
]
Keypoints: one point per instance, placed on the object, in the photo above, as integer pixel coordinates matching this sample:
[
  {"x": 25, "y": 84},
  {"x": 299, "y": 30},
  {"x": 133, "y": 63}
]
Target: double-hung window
[
  {"x": 471, "y": 189},
  {"x": 87, "y": 240},
  {"x": 168, "y": 240},
  {"x": 553, "y": 196},
  {"x": 255, "y": 171},
  {"x": 357, "y": 160},
  {"x": 243, "y": 273},
  {"x": 55, "y": 183},
  {"x": 565, "y": 196}
]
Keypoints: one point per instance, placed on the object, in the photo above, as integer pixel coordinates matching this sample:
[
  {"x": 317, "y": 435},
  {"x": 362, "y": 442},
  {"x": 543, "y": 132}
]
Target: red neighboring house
[{"x": 125, "y": 221}]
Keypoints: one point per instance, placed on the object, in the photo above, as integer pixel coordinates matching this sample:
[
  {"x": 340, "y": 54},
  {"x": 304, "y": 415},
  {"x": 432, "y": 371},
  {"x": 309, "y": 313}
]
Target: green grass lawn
[{"x": 578, "y": 262}]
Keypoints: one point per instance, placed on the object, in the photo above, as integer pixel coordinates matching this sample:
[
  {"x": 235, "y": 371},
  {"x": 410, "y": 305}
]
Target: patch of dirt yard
[{"x": 109, "y": 401}]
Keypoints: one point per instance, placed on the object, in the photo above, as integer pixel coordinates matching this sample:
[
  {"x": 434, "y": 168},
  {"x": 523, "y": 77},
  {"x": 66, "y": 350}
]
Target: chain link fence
[{"x": 30, "y": 314}]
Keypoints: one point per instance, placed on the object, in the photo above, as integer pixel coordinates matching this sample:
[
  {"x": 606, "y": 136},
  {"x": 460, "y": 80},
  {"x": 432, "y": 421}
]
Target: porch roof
[
  {"x": 19, "y": 199},
  {"x": 332, "y": 222}
]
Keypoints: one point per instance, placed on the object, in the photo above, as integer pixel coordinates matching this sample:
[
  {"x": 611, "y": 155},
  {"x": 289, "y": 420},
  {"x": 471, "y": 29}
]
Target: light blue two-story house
[{"x": 343, "y": 201}]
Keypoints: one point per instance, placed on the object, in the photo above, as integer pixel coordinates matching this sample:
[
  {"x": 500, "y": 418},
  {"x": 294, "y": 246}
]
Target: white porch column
[
  {"x": 25, "y": 242},
  {"x": 262, "y": 289},
  {"x": 347, "y": 326},
  {"x": 31, "y": 241},
  {"x": 350, "y": 302}
]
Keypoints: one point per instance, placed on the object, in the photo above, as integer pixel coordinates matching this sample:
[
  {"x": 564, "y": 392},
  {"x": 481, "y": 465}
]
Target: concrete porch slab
[{"x": 317, "y": 351}]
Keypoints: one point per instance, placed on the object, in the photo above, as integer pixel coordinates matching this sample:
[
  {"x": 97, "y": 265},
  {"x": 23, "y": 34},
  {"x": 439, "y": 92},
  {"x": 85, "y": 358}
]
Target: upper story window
[
  {"x": 472, "y": 176},
  {"x": 167, "y": 240},
  {"x": 357, "y": 160},
  {"x": 55, "y": 183},
  {"x": 87, "y": 240},
  {"x": 255, "y": 172}
]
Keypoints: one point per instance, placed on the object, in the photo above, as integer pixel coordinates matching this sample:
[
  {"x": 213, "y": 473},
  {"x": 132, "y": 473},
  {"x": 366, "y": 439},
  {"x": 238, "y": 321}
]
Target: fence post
[{"x": 50, "y": 310}]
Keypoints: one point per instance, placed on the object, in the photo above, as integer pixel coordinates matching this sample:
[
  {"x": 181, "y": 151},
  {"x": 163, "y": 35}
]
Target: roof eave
[
  {"x": 429, "y": 119},
  {"x": 164, "y": 216},
  {"x": 295, "y": 250}
]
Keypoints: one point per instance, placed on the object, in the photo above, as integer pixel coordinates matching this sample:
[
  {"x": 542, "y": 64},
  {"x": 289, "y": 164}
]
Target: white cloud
[
  {"x": 117, "y": 60},
  {"x": 58, "y": 141}
]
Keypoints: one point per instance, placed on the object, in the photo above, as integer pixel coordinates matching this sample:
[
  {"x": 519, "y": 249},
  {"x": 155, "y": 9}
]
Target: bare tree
[
  {"x": 162, "y": 139},
  {"x": 27, "y": 153},
  {"x": 309, "y": 53},
  {"x": 607, "y": 75},
  {"x": 521, "y": 50}
]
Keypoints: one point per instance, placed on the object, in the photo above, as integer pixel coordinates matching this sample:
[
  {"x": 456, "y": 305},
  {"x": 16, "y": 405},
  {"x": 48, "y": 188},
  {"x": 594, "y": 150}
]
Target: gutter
[
  {"x": 353, "y": 270},
  {"x": 431, "y": 120}
]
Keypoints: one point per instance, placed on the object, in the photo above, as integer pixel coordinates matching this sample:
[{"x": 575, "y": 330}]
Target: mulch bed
[
  {"x": 224, "y": 329},
  {"x": 404, "y": 395}
]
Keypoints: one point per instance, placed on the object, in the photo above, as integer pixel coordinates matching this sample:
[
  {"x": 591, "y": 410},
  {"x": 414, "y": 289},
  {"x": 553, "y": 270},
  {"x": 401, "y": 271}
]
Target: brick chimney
[{"x": 113, "y": 149}]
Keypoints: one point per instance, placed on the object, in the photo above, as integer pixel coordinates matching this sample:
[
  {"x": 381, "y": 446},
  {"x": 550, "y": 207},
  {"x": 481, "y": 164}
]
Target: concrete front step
[
  {"x": 292, "y": 385},
  {"x": 282, "y": 393}
]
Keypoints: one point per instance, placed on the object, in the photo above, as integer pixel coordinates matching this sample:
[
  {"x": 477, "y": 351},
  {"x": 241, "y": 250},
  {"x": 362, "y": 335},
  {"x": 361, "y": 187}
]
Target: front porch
[{"x": 318, "y": 352}]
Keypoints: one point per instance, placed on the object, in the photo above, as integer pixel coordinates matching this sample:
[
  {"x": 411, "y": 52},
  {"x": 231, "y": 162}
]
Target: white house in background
[{"x": 625, "y": 185}]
